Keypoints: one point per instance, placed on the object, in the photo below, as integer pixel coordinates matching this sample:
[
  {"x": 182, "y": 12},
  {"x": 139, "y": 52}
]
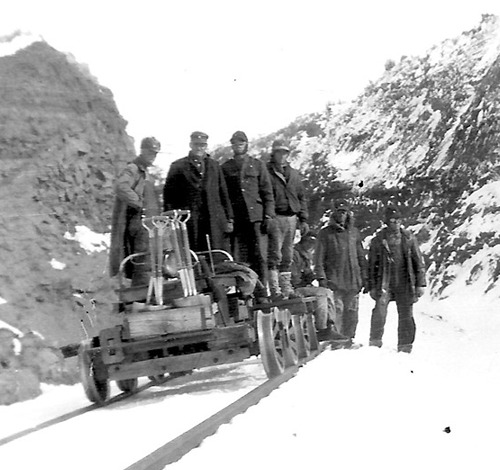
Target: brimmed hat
[
  {"x": 199, "y": 137},
  {"x": 279, "y": 145},
  {"x": 392, "y": 212},
  {"x": 239, "y": 136},
  {"x": 150, "y": 143}
]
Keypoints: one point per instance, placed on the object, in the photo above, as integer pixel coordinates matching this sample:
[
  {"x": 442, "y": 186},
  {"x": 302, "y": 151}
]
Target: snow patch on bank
[{"x": 90, "y": 241}]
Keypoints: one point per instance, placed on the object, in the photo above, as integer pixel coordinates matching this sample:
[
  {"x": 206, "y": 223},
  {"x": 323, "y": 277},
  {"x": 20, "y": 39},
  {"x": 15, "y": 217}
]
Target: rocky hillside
[
  {"x": 426, "y": 136},
  {"x": 62, "y": 141}
]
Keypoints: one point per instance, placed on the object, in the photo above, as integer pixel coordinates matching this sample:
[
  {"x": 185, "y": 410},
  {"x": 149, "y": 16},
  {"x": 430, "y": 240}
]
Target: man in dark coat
[
  {"x": 135, "y": 197},
  {"x": 395, "y": 272},
  {"x": 251, "y": 195},
  {"x": 196, "y": 183},
  {"x": 291, "y": 212},
  {"x": 340, "y": 265}
]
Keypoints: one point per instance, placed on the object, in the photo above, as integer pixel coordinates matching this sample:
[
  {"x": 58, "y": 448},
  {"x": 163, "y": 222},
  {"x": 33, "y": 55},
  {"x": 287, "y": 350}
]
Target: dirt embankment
[{"x": 62, "y": 141}]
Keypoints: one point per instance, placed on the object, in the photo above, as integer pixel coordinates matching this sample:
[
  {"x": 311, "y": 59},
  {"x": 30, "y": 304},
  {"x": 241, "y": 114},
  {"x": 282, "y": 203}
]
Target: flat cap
[
  {"x": 341, "y": 204},
  {"x": 392, "y": 212},
  {"x": 199, "y": 137},
  {"x": 150, "y": 143},
  {"x": 279, "y": 145},
  {"x": 239, "y": 136}
]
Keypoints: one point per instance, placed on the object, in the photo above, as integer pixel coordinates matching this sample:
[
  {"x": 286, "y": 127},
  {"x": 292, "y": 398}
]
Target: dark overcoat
[
  {"x": 379, "y": 263},
  {"x": 206, "y": 196},
  {"x": 134, "y": 191},
  {"x": 339, "y": 257},
  {"x": 250, "y": 189}
]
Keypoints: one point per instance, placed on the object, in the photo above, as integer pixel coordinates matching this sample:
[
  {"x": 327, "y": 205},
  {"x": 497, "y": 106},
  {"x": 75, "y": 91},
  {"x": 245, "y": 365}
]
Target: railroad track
[
  {"x": 176, "y": 448},
  {"x": 179, "y": 446},
  {"x": 73, "y": 414}
]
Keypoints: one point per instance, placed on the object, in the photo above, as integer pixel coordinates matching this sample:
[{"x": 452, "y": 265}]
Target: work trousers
[
  {"x": 325, "y": 305},
  {"x": 346, "y": 306},
  {"x": 137, "y": 239},
  {"x": 281, "y": 235},
  {"x": 406, "y": 322},
  {"x": 249, "y": 247}
]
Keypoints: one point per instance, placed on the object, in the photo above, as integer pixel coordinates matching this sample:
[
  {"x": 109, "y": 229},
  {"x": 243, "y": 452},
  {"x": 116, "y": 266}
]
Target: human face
[
  {"x": 340, "y": 216},
  {"x": 198, "y": 149},
  {"x": 279, "y": 157},
  {"x": 239, "y": 147},
  {"x": 148, "y": 156},
  {"x": 394, "y": 224}
]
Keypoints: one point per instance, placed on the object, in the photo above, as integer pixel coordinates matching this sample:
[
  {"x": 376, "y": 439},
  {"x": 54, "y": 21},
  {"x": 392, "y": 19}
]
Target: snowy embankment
[
  {"x": 435, "y": 408},
  {"x": 375, "y": 408}
]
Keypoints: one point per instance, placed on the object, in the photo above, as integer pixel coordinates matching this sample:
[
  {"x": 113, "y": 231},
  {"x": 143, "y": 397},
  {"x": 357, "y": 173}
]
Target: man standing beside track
[
  {"x": 135, "y": 197},
  {"x": 395, "y": 272},
  {"x": 196, "y": 183},
  {"x": 340, "y": 265},
  {"x": 251, "y": 195}
]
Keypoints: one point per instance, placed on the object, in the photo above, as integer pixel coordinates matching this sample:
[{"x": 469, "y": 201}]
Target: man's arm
[{"x": 128, "y": 187}]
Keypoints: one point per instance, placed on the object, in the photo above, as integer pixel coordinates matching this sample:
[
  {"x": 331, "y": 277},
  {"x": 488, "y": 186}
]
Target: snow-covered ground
[{"x": 437, "y": 408}]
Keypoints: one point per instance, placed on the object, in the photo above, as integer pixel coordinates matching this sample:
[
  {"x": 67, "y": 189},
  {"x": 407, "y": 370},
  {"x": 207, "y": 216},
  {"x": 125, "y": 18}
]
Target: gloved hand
[
  {"x": 304, "y": 228},
  {"x": 229, "y": 227},
  {"x": 266, "y": 225},
  {"x": 323, "y": 283},
  {"x": 419, "y": 292},
  {"x": 373, "y": 294}
]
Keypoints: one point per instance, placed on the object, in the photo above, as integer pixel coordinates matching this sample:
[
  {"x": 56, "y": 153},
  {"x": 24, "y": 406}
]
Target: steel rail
[
  {"x": 175, "y": 449},
  {"x": 76, "y": 413}
]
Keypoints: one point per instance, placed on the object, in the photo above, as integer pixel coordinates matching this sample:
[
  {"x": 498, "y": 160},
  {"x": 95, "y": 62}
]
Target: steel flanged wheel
[
  {"x": 277, "y": 341},
  {"x": 302, "y": 336},
  {"x": 311, "y": 332},
  {"x": 93, "y": 378},
  {"x": 127, "y": 385}
]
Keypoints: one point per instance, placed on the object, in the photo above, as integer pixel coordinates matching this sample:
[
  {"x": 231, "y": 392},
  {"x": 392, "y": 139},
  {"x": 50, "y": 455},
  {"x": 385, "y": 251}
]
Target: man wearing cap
[
  {"x": 302, "y": 281},
  {"x": 196, "y": 183},
  {"x": 251, "y": 195},
  {"x": 291, "y": 212},
  {"x": 135, "y": 196},
  {"x": 340, "y": 265},
  {"x": 396, "y": 272}
]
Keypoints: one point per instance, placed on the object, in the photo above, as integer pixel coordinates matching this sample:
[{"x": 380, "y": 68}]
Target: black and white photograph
[{"x": 240, "y": 235}]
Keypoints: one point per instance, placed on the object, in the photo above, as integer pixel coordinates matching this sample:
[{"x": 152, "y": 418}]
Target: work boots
[
  {"x": 285, "y": 282},
  {"x": 274, "y": 284}
]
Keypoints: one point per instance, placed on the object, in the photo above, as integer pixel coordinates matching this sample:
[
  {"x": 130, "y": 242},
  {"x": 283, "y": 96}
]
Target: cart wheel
[
  {"x": 277, "y": 341},
  {"x": 127, "y": 385},
  {"x": 157, "y": 379},
  {"x": 311, "y": 332},
  {"x": 272, "y": 358},
  {"x": 288, "y": 337},
  {"x": 302, "y": 336},
  {"x": 95, "y": 384}
]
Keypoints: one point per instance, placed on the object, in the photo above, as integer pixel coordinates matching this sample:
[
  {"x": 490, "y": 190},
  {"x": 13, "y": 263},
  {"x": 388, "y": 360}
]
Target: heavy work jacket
[
  {"x": 250, "y": 189},
  {"x": 339, "y": 257},
  {"x": 205, "y": 195},
  {"x": 135, "y": 195},
  {"x": 379, "y": 263},
  {"x": 288, "y": 192}
]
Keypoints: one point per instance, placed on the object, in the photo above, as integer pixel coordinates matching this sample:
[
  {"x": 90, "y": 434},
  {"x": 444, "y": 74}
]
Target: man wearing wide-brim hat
[{"x": 196, "y": 183}]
